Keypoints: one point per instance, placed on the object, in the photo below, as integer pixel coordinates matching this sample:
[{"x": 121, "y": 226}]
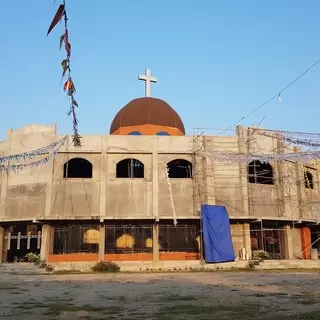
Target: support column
[
  {"x": 280, "y": 183},
  {"x": 2, "y": 244},
  {"x": 288, "y": 242},
  {"x": 45, "y": 242},
  {"x": 155, "y": 241},
  {"x": 155, "y": 180},
  {"x": 49, "y": 186},
  {"x": 102, "y": 236},
  {"x": 300, "y": 185},
  {"x": 103, "y": 179},
  {"x": 247, "y": 239},
  {"x": 243, "y": 171},
  {"x": 208, "y": 172}
]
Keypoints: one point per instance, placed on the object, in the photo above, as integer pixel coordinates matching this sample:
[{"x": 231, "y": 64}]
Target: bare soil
[{"x": 25, "y": 293}]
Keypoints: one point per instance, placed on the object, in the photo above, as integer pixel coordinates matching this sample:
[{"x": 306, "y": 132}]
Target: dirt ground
[{"x": 27, "y": 294}]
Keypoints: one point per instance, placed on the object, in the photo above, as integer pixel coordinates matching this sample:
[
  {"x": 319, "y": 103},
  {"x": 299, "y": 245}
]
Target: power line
[{"x": 272, "y": 98}]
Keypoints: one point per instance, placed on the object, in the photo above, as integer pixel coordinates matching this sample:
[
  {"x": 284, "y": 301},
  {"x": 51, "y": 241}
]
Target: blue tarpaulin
[{"x": 216, "y": 234}]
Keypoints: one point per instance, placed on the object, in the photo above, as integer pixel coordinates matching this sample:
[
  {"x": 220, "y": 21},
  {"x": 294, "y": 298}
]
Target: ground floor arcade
[{"x": 147, "y": 240}]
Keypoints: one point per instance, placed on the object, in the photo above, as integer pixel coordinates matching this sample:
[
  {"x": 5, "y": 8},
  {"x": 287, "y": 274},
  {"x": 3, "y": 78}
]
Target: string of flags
[
  {"x": 52, "y": 149},
  {"x": 247, "y": 158},
  {"x": 296, "y": 138},
  {"x": 34, "y": 153},
  {"x": 69, "y": 86}
]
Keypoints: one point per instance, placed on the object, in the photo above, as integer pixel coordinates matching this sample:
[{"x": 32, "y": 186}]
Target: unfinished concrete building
[{"x": 116, "y": 197}]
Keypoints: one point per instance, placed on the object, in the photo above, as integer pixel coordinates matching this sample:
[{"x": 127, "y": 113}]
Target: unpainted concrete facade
[{"x": 42, "y": 194}]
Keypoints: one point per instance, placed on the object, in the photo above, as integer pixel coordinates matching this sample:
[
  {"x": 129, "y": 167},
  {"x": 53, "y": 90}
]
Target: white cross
[{"x": 148, "y": 79}]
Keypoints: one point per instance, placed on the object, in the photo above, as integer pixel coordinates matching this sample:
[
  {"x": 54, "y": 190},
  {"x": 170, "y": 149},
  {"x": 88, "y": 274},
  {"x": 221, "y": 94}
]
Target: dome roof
[{"x": 147, "y": 111}]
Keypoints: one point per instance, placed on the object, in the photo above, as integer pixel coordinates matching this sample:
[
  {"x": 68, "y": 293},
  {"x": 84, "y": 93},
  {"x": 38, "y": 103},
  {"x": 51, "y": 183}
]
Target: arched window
[
  {"x": 77, "y": 168},
  {"x": 179, "y": 168},
  {"x": 135, "y": 133},
  {"x": 260, "y": 172},
  {"x": 162, "y": 133},
  {"x": 308, "y": 180},
  {"x": 130, "y": 168}
]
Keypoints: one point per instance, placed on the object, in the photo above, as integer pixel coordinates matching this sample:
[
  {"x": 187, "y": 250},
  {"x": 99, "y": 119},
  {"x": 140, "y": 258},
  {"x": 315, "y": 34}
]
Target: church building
[{"x": 135, "y": 194}]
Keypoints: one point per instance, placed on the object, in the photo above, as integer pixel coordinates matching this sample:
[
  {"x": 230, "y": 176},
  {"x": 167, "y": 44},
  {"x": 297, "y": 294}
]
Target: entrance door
[{"x": 22, "y": 239}]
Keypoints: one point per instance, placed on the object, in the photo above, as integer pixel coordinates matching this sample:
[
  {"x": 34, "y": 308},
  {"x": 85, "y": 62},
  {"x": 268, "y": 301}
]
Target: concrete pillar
[
  {"x": 155, "y": 241},
  {"x": 46, "y": 238},
  {"x": 2, "y": 245},
  {"x": 102, "y": 236},
  {"x": 300, "y": 185},
  {"x": 49, "y": 185},
  {"x": 208, "y": 176},
  {"x": 247, "y": 239},
  {"x": 103, "y": 179},
  {"x": 155, "y": 180},
  {"x": 288, "y": 243},
  {"x": 279, "y": 182},
  {"x": 243, "y": 170}
]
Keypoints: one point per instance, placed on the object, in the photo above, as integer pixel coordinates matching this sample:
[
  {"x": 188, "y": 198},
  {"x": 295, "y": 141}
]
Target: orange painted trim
[
  {"x": 128, "y": 257},
  {"x": 73, "y": 257},
  {"x": 306, "y": 242},
  {"x": 179, "y": 256},
  {"x": 148, "y": 130}
]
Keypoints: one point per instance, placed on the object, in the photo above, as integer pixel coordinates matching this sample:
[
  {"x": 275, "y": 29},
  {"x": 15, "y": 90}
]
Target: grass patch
[
  {"x": 177, "y": 297},
  {"x": 313, "y": 315},
  {"x": 62, "y": 272},
  {"x": 198, "y": 311}
]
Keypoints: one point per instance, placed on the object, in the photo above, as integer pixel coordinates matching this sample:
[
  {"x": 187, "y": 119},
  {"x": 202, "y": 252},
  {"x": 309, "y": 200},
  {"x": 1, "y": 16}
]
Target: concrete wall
[{"x": 43, "y": 193}]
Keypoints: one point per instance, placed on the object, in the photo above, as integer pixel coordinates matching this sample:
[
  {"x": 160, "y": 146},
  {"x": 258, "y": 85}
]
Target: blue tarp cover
[{"x": 216, "y": 234}]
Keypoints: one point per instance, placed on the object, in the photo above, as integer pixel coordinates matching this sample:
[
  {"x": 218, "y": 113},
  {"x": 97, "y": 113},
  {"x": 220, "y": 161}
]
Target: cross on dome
[{"x": 148, "y": 79}]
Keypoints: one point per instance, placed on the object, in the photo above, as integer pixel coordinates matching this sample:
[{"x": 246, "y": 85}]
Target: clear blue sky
[{"x": 215, "y": 61}]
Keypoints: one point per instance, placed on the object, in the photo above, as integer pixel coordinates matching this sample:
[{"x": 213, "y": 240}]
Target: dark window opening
[
  {"x": 308, "y": 180},
  {"x": 179, "y": 168},
  {"x": 77, "y": 168},
  {"x": 135, "y": 133},
  {"x": 260, "y": 173},
  {"x": 130, "y": 168}
]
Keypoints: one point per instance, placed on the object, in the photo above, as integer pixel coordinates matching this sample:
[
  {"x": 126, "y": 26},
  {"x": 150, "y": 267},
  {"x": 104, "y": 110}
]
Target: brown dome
[{"x": 143, "y": 111}]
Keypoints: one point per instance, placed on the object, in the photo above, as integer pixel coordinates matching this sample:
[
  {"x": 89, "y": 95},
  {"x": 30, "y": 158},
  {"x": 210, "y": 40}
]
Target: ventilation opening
[
  {"x": 308, "y": 180},
  {"x": 135, "y": 133},
  {"x": 130, "y": 168},
  {"x": 180, "y": 168},
  {"x": 162, "y": 133},
  {"x": 77, "y": 168},
  {"x": 260, "y": 173}
]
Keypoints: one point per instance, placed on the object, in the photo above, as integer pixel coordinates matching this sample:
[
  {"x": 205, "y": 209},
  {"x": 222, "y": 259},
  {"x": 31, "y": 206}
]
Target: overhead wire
[{"x": 272, "y": 98}]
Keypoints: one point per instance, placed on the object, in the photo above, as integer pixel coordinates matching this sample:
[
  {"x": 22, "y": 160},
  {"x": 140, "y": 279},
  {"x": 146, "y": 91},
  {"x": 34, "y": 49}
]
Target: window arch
[
  {"x": 135, "y": 133},
  {"x": 77, "y": 168},
  {"x": 179, "y": 168},
  {"x": 130, "y": 168},
  {"x": 260, "y": 172},
  {"x": 162, "y": 133},
  {"x": 308, "y": 180}
]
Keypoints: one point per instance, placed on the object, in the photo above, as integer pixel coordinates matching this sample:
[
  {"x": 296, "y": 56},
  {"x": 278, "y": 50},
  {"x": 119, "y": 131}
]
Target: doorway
[{"x": 22, "y": 239}]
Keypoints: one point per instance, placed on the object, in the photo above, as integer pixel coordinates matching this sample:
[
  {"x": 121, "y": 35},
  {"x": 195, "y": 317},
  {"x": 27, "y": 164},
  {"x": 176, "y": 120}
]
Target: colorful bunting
[
  {"x": 56, "y": 18},
  {"x": 34, "y": 153},
  {"x": 52, "y": 149},
  {"x": 231, "y": 157},
  {"x": 69, "y": 86}
]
